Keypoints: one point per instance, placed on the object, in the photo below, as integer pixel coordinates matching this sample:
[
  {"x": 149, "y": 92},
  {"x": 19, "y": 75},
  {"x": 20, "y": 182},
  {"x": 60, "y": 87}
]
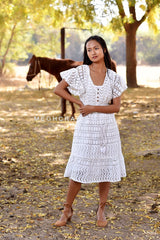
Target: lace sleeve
[
  {"x": 74, "y": 81},
  {"x": 119, "y": 86}
]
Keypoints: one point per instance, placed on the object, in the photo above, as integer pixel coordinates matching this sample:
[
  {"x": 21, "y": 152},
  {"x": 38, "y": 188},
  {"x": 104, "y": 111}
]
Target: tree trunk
[
  {"x": 2, "y": 66},
  {"x": 3, "y": 61},
  {"x": 131, "y": 61},
  {"x": 1, "y": 72}
]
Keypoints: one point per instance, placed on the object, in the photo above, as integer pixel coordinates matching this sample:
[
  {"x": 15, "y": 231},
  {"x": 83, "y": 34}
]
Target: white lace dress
[{"x": 96, "y": 154}]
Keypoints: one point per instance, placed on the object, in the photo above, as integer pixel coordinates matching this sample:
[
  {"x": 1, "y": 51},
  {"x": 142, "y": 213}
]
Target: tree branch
[
  {"x": 7, "y": 49},
  {"x": 10, "y": 41},
  {"x": 150, "y": 6},
  {"x": 1, "y": 39},
  {"x": 132, "y": 10},
  {"x": 120, "y": 8}
]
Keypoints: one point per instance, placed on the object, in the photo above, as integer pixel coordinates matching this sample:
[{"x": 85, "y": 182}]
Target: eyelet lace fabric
[{"x": 96, "y": 154}]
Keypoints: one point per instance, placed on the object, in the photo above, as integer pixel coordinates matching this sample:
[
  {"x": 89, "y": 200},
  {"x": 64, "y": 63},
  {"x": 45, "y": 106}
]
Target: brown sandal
[
  {"x": 65, "y": 216},
  {"x": 101, "y": 223}
]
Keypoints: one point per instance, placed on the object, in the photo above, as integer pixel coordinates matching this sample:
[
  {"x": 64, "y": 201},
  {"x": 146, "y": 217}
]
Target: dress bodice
[{"x": 81, "y": 84}]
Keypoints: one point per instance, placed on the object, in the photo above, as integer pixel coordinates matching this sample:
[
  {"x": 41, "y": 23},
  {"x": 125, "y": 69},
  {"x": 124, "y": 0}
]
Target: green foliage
[
  {"x": 30, "y": 26},
  {"x": 19, "y": 21},
  {"x": 79, "y": 12},
  {"x": 143, "y": 7},
  {"x": 116, "y": 24},
  {"x": 44, "y": 42},
  {"x": 126, "y": 12},
  {"x": 152, "y": 17}
]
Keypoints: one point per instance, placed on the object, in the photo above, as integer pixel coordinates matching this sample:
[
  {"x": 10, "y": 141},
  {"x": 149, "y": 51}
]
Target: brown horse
[{"x": 54, "y": 67}]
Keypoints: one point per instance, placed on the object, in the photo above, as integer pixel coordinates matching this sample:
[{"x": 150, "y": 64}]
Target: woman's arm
[
  {"x": 113, "y": 108},
  {"x": 61, "y": 91}
]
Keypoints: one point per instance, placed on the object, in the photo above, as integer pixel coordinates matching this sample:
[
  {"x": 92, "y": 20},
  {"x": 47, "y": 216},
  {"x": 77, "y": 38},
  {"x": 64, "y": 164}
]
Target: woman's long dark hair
[{"x": 107, "y": 58}]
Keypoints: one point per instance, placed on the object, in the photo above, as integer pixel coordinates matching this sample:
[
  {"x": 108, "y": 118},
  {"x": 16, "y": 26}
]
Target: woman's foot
[
  {"x": 66, "y": 216},
  {"x": 101, "y": 220}
]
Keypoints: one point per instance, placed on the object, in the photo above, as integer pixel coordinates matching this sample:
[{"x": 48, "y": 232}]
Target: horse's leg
[
  {"x": 63, "y": 106},
  {"x": 63, "y": 101},
  {"x": 73, "y": 110},
  {"x": 72, "y": 107}
]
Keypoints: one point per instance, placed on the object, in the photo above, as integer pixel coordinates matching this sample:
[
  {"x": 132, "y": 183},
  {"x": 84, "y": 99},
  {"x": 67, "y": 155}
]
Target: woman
[{"x": 96, "y": 155}]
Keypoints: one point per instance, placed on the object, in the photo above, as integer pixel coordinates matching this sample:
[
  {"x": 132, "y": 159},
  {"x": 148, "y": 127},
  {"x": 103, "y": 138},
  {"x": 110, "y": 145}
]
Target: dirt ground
[{"x": 34, "y": 148}]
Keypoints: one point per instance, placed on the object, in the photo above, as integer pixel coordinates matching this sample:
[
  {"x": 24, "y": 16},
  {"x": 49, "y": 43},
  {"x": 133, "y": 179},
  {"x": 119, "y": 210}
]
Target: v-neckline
[{"x": 92, "y": 80}]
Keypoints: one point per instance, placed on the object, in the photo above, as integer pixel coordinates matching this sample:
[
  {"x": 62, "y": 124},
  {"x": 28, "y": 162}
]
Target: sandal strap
[
  {"x": 102, "y": 204},
  {"x": 66, "y": 205}
]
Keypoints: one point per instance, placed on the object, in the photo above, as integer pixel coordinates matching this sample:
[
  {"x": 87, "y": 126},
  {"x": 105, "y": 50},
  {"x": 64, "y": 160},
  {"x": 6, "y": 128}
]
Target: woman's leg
[
  {"x": 103, "y": 194},
  {"x": 73, "y": 190}
]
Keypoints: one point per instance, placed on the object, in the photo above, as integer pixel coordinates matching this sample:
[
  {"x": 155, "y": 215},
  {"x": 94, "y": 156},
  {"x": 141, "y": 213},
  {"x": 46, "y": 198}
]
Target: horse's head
[{"x": 34, "y": 68}]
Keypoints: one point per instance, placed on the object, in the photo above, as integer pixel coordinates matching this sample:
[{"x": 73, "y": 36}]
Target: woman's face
[{"x": 94, "y": 51}]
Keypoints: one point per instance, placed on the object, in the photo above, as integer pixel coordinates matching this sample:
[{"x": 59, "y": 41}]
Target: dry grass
[{"x": 33, "y": 156}]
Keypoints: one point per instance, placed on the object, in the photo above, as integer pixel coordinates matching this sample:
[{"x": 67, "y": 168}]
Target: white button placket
[{"x": 97, "y": 96}]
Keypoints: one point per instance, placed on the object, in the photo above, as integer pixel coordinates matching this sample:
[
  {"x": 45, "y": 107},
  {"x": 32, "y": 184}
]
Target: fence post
[{"x": 63, "y": 43}]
